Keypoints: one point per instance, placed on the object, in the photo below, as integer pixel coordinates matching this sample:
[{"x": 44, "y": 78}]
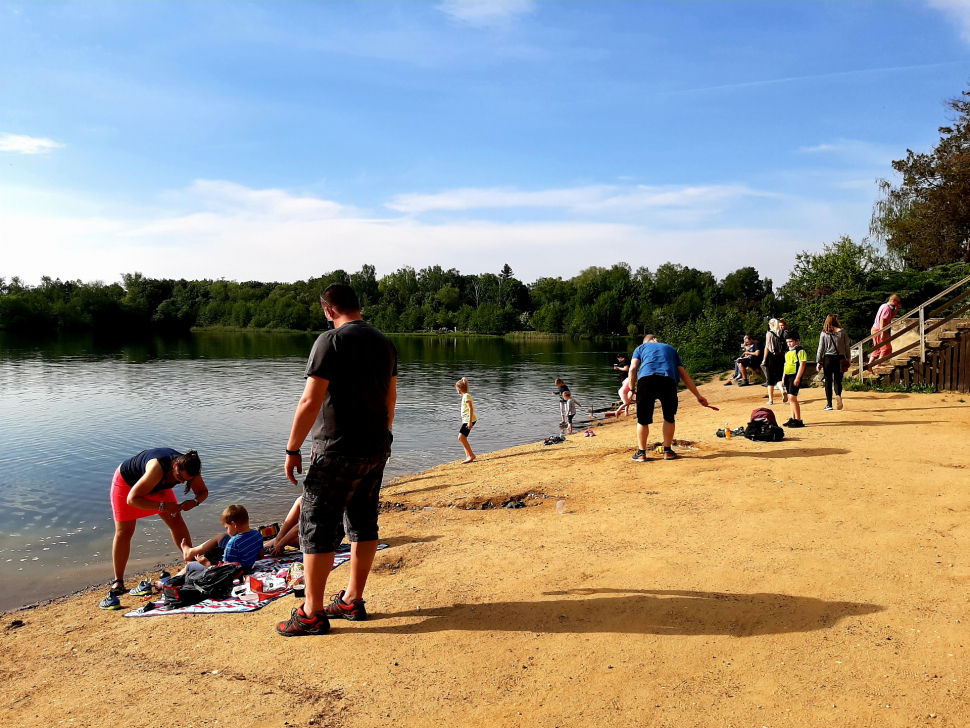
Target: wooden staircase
[
  {"x": 945, "y": 365},
  {"x": 926, "y": 350}
]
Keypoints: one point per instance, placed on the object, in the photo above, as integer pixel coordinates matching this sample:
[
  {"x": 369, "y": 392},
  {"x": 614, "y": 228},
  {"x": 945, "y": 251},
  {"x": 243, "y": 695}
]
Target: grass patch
[{"x": 853, "y": 384}]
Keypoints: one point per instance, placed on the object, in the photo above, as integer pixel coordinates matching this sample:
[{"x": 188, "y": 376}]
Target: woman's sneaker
[
  {"x": 838, "y": 401},
  {"x": 338, "y": 609},
  {"x": 110, "y": 602},
  {"x": 796, "y": 423},
  {"x": 143, "y": 589},
  {"x": 828, "y": 408},
  {"x": 299, "y": 624}
]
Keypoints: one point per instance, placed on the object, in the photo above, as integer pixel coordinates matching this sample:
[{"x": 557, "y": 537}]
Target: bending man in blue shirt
[{"x": 655, "y": 372}]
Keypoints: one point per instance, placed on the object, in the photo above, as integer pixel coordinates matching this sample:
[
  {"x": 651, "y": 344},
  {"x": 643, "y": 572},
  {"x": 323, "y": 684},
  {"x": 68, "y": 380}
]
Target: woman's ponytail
[{"x": 190, "y": 464}]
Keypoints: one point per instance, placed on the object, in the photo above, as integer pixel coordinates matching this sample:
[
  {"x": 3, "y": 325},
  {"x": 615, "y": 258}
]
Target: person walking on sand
[
  {"x": 795, "y": 363},
  {"x": 655, "y": 372},
  {"x": 833, "y": 350},
  {"x": 884, "y": 317},
  {"x": 143, "y": 486},
  {"x": 348, "y": 405},
  {"x": 468, "y": 419}
]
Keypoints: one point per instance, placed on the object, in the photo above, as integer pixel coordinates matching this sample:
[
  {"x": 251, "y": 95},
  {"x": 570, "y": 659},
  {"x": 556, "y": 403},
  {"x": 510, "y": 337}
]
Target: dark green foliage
[{"x": 688, "y": 308}]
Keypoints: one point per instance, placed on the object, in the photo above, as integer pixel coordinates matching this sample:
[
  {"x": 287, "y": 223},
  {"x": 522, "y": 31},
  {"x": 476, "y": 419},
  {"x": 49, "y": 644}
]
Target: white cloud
[
  {"x": 228, "y": 230},
  {"x": 590, "y": 199},
  {"x": 486, "y": 12},
  {"x": 958, "y": 10},
  {"x": 27, "y": 144},
  {"x": 224, "y": 197},
  {"x": 855, "y": 151}
]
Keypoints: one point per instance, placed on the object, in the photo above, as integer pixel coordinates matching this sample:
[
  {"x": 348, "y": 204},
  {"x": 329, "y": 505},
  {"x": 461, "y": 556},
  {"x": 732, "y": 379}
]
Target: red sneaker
[
  {"x": 337, "y": 609},
  {"x": 299, "y": 624}
]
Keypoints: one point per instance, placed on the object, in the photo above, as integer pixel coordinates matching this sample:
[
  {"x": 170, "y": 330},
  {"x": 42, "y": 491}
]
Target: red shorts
[{"x": 119, "y": 500}]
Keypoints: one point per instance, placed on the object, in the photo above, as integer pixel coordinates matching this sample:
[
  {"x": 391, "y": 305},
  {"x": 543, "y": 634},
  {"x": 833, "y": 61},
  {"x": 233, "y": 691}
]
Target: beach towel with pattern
[{"x": 261, "y": 569}]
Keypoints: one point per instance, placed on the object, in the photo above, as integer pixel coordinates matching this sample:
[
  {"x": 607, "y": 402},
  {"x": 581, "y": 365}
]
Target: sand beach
[{"x": 822, "y": 580}]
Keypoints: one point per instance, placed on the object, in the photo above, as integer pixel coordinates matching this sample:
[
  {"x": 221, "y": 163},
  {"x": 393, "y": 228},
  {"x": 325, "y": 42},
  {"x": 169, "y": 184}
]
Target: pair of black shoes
[{"x": 792, "y": 422}]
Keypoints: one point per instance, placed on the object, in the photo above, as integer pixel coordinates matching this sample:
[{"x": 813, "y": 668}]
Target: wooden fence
[{"x": 947, "y": 366}]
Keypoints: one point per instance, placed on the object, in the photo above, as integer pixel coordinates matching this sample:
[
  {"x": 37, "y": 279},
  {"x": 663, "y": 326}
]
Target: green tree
[{"x": 925, "y": 220}]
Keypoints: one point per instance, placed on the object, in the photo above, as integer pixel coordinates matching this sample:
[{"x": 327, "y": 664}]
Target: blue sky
[{"x": 276, "y": 141}]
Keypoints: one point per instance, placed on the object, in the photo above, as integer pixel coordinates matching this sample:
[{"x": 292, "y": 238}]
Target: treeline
[{"x": 689, "y": 308}]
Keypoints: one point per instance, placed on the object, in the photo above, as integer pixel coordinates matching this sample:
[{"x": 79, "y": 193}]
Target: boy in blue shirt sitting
[{"x": 241, "y": 544}]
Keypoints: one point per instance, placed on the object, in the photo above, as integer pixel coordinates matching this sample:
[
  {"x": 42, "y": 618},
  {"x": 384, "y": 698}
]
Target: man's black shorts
[
  {"x": 790, "y": 387},
  {"x": 340, "y": 487},
  {"x": 649, "y": 390}
]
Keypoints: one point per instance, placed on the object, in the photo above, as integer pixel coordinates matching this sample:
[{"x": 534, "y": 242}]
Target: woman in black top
[
  {"x": 773, "y": 364},
  {"x": 144, "y": 486}
]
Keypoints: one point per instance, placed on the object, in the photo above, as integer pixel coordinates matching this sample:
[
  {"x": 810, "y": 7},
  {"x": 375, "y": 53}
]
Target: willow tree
[{"x": 925, "y": 220}]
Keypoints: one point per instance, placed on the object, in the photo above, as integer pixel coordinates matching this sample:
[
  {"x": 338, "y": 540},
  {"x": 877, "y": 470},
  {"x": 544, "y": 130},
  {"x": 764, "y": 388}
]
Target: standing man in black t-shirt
[{"x": 348, "y": 404}]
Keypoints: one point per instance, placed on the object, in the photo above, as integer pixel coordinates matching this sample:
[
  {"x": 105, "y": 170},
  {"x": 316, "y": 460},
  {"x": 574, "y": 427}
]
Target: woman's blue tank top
[{"x": 134, "y": 468}]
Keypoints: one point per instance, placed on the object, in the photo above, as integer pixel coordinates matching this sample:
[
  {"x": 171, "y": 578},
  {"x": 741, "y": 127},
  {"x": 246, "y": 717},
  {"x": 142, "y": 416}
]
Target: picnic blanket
[{"x": 261, "y": 569}]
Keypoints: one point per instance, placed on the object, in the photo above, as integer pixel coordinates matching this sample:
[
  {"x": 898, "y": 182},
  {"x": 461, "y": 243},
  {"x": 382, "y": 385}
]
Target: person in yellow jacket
[{"x": 468, "y": 419}]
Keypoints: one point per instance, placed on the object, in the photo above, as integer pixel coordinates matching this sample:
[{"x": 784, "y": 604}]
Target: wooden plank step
[{"x": 949, "y": 334}]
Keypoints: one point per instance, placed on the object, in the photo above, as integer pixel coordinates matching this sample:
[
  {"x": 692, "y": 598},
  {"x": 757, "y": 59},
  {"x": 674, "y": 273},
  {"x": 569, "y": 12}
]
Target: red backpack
[
  {"x": 763, "y": 427},
  {"x": 763, "y": 414}
]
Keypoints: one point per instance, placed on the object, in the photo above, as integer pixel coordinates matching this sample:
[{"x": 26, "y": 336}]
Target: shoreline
[{"x": 771, "y": 582}]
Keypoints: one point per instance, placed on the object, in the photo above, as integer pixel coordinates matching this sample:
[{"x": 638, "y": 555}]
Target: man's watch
[{"x": 294, "y": 453}]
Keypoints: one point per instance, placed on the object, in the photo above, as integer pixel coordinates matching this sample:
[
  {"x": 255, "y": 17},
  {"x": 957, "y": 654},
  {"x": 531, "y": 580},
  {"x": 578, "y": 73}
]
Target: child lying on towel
[{"x": 240, "y": 544}]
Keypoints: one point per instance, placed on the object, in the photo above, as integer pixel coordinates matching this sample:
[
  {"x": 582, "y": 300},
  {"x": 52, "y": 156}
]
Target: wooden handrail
[
  {"x": 928, "y": 329},
  {"x": 917, "y": 309}
]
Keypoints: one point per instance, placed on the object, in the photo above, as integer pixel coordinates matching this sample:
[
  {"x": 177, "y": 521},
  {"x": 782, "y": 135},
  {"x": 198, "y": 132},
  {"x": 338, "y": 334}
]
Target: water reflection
[{"x": 76, "y": 406}]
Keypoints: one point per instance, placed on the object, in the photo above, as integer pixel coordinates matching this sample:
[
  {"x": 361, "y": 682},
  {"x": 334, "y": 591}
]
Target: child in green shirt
[{"x": 795, "y": 360}]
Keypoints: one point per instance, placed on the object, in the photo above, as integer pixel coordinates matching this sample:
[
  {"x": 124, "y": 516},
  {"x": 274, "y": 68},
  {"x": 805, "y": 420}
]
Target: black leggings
[{"x": 832, "y": 370}]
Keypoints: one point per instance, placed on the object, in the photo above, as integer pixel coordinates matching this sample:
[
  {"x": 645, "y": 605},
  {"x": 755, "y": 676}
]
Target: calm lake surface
[{"x": 74, "y": 407}]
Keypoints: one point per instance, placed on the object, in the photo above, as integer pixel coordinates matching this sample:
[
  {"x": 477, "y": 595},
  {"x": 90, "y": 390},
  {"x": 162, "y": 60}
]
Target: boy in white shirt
[{"x": 468, "y": 419}]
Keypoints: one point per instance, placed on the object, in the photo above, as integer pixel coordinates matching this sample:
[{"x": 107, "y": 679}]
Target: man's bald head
[{"x": 649, "y": 338}]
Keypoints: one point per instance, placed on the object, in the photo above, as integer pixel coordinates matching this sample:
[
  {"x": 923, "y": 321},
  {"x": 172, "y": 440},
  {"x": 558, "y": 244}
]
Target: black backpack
[
  {"x": 761, "y": 431},
  {"x": 214, "y": 582},
  {"x": 763, "y": 426}
]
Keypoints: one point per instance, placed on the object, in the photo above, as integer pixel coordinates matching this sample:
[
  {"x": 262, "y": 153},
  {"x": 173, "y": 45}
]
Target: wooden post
[
  {"x": 922, "y": 334},
  {"x": 951, "y": 383},
  {"x": 965, "y": 363}
]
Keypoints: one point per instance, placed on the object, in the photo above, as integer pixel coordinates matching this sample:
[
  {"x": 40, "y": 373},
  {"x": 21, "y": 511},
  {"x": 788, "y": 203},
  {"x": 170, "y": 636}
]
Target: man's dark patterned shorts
[{"x": 340, "y": 487}]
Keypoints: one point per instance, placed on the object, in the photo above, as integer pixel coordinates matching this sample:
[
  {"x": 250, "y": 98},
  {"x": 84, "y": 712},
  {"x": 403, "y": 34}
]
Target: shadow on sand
[
  {"x": 803, "y": 452},
  {"x": 429, "y": 488},
  {"x": 633, "y": 611}
]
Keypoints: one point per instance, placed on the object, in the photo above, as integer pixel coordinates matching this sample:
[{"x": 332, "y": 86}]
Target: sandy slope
[{"x": 818, "y": 581}]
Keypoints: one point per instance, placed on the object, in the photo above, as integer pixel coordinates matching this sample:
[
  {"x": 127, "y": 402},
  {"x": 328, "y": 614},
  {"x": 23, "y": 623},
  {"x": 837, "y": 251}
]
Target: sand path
[{"x": 822, "y": 580}]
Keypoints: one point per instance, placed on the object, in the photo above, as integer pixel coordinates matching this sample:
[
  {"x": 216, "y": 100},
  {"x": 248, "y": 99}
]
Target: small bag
[{"x": 844, "y": 365}]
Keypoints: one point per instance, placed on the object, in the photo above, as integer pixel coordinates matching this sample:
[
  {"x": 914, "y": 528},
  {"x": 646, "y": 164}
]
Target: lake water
[{"x": 74, "y": 407}]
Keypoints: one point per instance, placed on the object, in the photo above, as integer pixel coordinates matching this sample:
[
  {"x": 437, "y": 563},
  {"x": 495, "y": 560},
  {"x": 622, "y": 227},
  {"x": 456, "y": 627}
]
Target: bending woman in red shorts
[{"x": 143, "y": 486}]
